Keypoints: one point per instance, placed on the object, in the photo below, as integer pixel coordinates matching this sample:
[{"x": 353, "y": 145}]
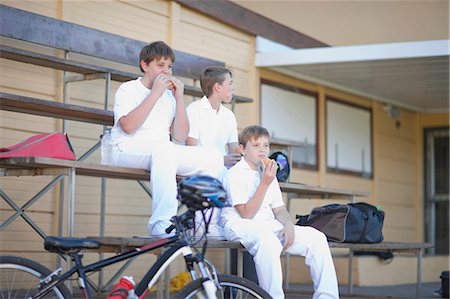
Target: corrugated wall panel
[
  {"x": 46, "y": 8},
  {"x": 146, "y": 22}
]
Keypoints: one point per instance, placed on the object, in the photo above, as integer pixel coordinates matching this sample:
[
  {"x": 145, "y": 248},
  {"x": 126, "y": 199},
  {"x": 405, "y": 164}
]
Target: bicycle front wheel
[
  {"x": 20, "y": 277},
  {"x": 230, "y": 287}
]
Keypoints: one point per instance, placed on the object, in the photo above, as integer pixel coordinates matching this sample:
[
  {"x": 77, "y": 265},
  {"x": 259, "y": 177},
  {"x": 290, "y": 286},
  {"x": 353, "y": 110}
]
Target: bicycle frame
[{"x": 178, "y": 247}]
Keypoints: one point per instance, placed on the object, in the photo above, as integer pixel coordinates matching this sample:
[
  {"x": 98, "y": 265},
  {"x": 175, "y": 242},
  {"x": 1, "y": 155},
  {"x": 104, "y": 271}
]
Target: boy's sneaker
[
  {"x": 159, "y": 229},
  {"x": 214, "y": 231}
]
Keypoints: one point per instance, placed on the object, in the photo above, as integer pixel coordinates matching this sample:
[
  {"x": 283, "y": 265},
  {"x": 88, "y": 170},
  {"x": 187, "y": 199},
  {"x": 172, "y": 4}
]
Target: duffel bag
[
  {"x": 352, "y": 223},
  {"x": 48, "y": 145}
]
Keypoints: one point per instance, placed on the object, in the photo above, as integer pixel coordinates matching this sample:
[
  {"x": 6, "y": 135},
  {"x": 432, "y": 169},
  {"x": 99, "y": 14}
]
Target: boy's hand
[
  {"x": 288, "y": 234},
  {"x": 231, "y": 159},
  {"x": 270, "y": 172},
  {"x": 160, "y": 84},
  {"x": 176, "y": 87}
]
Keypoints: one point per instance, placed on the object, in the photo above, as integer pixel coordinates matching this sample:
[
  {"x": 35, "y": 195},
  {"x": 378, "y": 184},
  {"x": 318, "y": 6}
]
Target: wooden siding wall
[
  {"x": 128, "y": 206},
  {"x": 33, "y": 81},
  {"x": 397, "y": 182}
]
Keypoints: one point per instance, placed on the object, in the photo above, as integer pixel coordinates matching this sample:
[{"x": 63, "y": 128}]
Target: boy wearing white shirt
[
  {"x": 259, "y": 220},
  {"x": 149, "y": 120},
  {"x": 212, "y": 125}
]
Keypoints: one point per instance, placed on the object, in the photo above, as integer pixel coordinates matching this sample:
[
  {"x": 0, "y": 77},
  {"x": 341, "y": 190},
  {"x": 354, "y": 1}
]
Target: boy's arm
[
  {"x": 194, "y": 124},
  {"x": 191, "y": 141},
  {"x": 253, "y": 205},
  {"x": 135, "y": 118},
  {"x": 282, "y": 215},
  {"x": 233, "y": 155},
  {"x": 180, "y": 124}
]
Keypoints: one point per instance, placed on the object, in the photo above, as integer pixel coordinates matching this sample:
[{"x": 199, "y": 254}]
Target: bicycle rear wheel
[
  {"x": 231, "y": 287},
  {"x": 20, "y": 277}
]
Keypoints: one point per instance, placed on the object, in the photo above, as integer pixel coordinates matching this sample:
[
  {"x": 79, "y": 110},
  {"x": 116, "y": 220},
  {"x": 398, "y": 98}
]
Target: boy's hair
[
  {"x": 211, "y": 76},
  {"x": 155, "y": 50},
  {"x": 251, "y": 133}
]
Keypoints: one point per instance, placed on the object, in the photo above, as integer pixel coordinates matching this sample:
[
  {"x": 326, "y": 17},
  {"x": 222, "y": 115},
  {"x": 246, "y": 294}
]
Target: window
[
  {"x": 349, "y": 138},
  {"x": 290, "y": 116}
]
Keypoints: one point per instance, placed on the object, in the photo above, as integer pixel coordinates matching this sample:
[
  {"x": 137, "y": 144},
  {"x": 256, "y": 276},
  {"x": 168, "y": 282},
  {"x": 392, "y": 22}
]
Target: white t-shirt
[
  {"x": 156, "y": 128},
  {"x": 240, "y": 183},
  {"x": 210, "y": 128}
]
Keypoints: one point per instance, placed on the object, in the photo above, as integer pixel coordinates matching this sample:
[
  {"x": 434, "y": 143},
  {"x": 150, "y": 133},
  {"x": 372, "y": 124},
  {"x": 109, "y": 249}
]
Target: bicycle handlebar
[{"x": 182, "y": 222}]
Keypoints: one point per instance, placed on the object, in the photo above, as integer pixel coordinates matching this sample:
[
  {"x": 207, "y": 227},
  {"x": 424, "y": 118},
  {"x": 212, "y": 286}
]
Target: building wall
[
  {"x": 397, "y": 182},
  {"x": 343, "y": 23}
]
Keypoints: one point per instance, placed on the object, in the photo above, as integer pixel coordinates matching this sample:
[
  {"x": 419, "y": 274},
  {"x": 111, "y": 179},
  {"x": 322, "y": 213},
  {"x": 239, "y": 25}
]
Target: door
[{"x": 436, "y": 189}]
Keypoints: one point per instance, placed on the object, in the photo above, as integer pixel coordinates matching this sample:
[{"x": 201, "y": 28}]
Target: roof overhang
[{"x": 413, "y": 75}]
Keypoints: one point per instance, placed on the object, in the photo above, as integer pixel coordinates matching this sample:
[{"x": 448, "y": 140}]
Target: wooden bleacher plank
[
  {"x": 62, "y": 64},
  {"x": 86, "y": 69},
  {"x": 23, "y": 104},
  {"x": 15, "y": 23},
  {"x": 318, "y": 192},
  {"x": 37, "y": 166},
  {"x": 51, "y": 32},
  {"x": 122, "y": 244},
  {"x": 98, "y": 170},
  {"x": 383, "y": 246},
  {"x": 117, "y": 244}
]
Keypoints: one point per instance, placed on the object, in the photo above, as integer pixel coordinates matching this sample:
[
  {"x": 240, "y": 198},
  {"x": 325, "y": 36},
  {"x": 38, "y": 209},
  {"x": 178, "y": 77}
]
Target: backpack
[
  {"x": 351, "y": 223},
  {"x": 283, "y": 166}
]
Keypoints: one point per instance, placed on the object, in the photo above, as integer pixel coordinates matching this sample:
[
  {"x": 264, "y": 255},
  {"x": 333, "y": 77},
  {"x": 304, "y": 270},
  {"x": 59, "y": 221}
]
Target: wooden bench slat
[
  {"x": 23, "y": 104},
  {"x": 95, "y": 169},
  {"x": 62, "y": 64},
  {"x": 383, "y": 246},
  {"x": 81, "y": 167},
  {"x": 86, "y": 69},
  {"x": 318, "y": 192},
  {"x": 127, "y": 243}
]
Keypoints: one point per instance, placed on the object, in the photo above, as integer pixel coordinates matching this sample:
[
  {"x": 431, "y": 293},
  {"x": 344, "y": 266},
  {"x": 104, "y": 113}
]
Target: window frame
[
  {"x": 344, "y": 171},
  {"x": 303, "y": 91}
]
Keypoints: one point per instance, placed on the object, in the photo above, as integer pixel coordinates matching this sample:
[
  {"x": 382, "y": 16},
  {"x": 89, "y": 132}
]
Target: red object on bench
[{"x": 48, "y": 145}]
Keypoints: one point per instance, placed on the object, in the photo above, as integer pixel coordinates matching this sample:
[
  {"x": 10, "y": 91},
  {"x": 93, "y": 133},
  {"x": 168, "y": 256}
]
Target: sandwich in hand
[
  {"x": 265, "y": 162},
  {"x": 170, "y": 85}
]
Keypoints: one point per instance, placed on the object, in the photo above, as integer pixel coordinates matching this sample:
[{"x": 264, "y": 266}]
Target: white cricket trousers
[
  {"x": 261, "y": 239},
  {"x": 165, "y": 162}
]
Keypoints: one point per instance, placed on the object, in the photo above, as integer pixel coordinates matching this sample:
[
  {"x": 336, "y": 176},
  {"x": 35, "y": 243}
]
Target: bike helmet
[
  {"x": 202, "y": 192},
  {"x": 283, "y": 166}
]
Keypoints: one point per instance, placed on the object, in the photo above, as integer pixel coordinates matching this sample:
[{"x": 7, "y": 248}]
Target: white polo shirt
[
  {"x": 241, "y": 183},
  {"x": 156, "y": 128},
  {"x": 210, "y": 128}
]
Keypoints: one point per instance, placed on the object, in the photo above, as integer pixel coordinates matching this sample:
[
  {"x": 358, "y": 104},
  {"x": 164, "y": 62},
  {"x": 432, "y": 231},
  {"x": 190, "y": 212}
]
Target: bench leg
[
  {"x": 167, "y": 283},
  {"x": 286, "y": 271},
  {"x": 350, "y": 271},
  {"x": 240, "y": 262},
  {"x": 71, "y": 202},
  {"x": 419, "y": 273},
  {"x": 20, "y": 211}
]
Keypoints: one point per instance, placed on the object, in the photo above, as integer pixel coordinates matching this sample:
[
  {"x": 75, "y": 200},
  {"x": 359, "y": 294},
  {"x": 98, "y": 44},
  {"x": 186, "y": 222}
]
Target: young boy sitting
[
  {"x": 212, "y": 125},
  {"x": 260, "y": 221},
  {"x": 149, "y": 123}
]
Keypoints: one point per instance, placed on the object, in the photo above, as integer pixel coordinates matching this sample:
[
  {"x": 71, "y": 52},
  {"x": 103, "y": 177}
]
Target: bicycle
[{"x": 196, "y": 193}]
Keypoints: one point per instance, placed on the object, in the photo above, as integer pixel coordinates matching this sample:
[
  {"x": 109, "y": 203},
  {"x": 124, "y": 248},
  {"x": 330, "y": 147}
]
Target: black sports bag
[{"x": 352, "y": 223}]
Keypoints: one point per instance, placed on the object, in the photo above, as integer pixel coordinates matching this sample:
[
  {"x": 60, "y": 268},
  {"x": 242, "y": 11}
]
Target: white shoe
[
  {"x": 159, "y": 229},
  {"x": 214, "y": 231}
]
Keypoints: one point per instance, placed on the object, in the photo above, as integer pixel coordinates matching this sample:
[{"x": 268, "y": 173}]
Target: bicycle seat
[{"x": 69, "y": 245}]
